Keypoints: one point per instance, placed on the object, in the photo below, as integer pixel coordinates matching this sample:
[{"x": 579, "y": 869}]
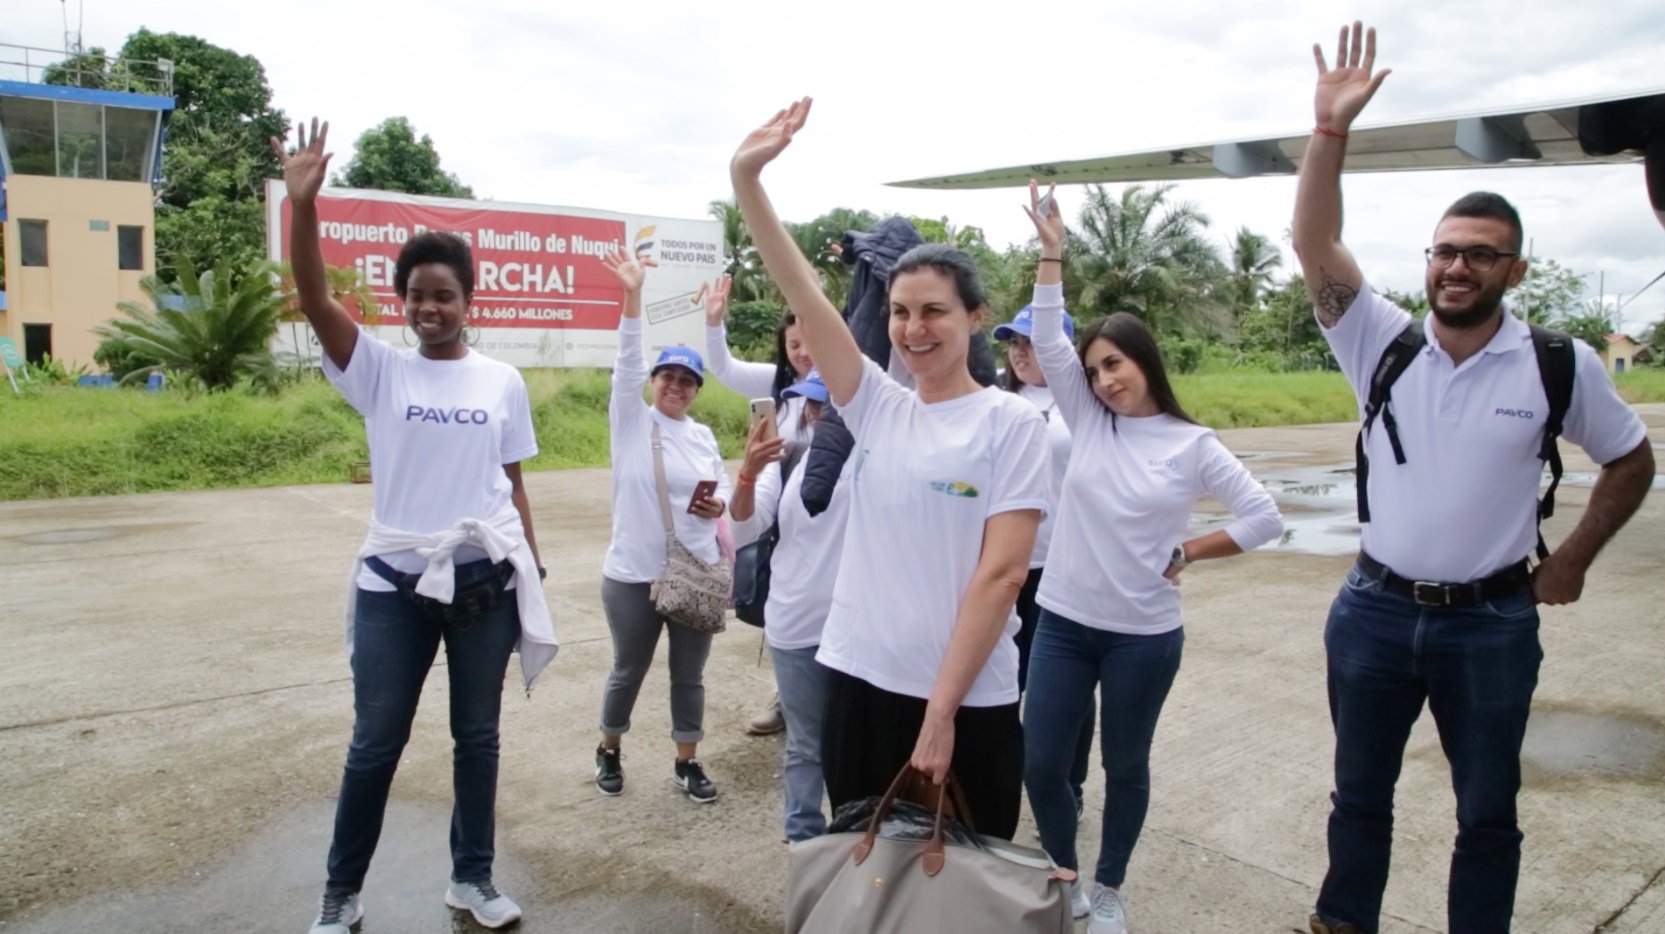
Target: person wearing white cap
[
  {"x": 803, "y": 570},
  {"x": 636, "y": 555},
  {"x": 1110, "y": 608}
]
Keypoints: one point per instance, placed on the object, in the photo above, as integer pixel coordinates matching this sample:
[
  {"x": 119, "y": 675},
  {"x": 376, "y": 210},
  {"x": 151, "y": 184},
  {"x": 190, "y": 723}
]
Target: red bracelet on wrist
[
  {"x": 1326, "y": 131},
  {"x": 745, "y": 480}
]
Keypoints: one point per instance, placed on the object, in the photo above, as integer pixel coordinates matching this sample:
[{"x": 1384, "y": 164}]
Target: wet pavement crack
[{"x": 1610, "y": 920}]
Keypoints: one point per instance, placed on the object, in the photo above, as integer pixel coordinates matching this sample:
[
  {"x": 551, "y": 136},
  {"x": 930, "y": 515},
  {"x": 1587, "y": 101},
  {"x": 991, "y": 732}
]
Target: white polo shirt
[{"x": 1464, "y": 504}]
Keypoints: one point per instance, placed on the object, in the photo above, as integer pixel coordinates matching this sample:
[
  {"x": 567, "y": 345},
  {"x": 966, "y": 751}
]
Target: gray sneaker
[
  {"x": 337, "y": 914},
  {"x": 489, "y": 907},
  {"x": 1109, "y": 914}
]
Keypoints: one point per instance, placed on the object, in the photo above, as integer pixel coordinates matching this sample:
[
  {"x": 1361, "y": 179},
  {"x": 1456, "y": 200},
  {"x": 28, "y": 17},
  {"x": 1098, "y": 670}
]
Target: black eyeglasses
[{"x": 1478, "y": 258}]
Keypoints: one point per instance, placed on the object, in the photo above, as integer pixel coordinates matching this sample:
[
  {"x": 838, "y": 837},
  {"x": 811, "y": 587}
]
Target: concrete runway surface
[{"x": 175, "y": 706}]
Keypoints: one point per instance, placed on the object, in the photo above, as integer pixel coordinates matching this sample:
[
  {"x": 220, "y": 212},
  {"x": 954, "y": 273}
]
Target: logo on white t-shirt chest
[{"x": 446, "y": 416}]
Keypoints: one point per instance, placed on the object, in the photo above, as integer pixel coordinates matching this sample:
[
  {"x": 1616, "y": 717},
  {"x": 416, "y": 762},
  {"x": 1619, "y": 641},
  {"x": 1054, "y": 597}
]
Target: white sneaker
[
  {"x": 1109, "y": 915},
  {"x": 489, "y": 907},
  {"x": 337, "y": 914},
  {"x": 1080, "y": 904}
]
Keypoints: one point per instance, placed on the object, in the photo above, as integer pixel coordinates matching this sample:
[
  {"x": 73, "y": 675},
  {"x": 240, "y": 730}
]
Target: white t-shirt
[
  {"x": 926, "y": 477},
  {"x": 1464, "y": 504},
  {"x": 1127, "y": 498},
  {"x": 440, "y": 432},
  {"x": 804, "y": 568},
  {"x": 754, "y": 381},
  {"x": 637, "y": 552},
  {"x": 1058, "y": 441}
]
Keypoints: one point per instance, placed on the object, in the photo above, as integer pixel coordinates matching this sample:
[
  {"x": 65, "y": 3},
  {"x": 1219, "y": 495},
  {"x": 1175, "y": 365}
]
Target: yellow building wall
[{"x": 78, "y": 288}]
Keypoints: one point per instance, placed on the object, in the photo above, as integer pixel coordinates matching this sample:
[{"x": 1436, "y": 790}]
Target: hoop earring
[{"x": 470, "y": 334}]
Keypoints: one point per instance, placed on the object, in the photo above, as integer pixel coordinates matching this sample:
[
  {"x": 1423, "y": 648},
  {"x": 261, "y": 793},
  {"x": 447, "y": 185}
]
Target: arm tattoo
[{"x": 1334, "y": 298}]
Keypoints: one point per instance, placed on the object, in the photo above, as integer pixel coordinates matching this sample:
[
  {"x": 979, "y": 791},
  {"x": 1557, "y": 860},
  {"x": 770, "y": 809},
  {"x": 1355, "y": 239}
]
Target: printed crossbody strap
[{"x": 659, "y": 481}]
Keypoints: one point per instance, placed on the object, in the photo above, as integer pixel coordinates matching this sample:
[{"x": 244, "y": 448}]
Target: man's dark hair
[
  {"x": 435, "y": 246},
  {"x": 1487, "y": 204}
]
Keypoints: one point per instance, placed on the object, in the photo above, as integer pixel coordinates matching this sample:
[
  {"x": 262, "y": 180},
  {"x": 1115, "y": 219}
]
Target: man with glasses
[{"x": 1442, "y": 606}]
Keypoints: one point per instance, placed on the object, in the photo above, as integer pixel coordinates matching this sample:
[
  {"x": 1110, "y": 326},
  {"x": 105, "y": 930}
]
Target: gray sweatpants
[{"x": 636, "y": 626}]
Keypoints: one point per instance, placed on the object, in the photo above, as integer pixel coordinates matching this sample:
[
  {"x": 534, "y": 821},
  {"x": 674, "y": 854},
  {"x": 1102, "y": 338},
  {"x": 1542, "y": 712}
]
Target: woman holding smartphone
[
  {"x": 1110, "y": 611},
  {"x": 698, "y": 489},
  {"x": 945, "y": 497}
]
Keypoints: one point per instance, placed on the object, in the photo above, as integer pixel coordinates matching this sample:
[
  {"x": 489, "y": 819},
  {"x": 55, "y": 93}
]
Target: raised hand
[
  {"x": 630, "y": 273},
  {"x": 1345, "y": 89},
  {"x": 1049, "y": 221},
  {"x": 716, "y": 302},
  {"x": 763, "y": 447},
  {"x": 304, "y": 169},
  {"x": 769, "y": 140}
]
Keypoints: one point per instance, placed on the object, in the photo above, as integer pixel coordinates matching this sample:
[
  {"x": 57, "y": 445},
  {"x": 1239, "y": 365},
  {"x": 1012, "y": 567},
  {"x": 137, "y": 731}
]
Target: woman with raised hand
[
  {"x": 756, "y": 381},
  {"x": 803, "y": 570},
  {"x": 945, "y": 497},
  {"x": 1110, "y": 610},
  {"x": 450, "y": 557},
  {"x": 636, "y": 556}
]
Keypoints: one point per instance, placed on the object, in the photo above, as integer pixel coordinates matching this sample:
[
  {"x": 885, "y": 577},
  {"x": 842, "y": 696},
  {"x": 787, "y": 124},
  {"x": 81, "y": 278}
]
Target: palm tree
[
  {"x": 750, "y": 282},
  {"x": 216, "y": 327},
  {"x": 1141, "y": 254},
  {"x": 1254, "y": 262}
]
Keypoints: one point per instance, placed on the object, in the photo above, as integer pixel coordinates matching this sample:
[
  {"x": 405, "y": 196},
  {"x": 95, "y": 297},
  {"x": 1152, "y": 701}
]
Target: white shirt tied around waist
[
  {"x": 502, "y": 537},
  {"x": 1464, "y": 504},
  {"x": 1127, "y": 497}
]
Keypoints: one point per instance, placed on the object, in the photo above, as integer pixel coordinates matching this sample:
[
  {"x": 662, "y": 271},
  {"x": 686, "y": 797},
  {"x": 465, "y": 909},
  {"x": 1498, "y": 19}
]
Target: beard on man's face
[{"x": 1468, "y": 315}]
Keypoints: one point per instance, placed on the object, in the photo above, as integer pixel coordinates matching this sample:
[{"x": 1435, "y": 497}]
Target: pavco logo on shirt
[
  {"x": 447, "y": 416},
  {"x": 954, "y": 488},
  {"x": 1527, "y": 414}
]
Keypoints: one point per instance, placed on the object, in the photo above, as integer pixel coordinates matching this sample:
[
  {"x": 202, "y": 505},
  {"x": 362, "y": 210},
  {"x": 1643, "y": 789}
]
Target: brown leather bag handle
[
  {"x": 864, "y": 846},
  {"x": 935, "y": 848}
]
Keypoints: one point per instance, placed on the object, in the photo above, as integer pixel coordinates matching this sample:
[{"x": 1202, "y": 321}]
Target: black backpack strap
[
  {"x": 1395, "y": 359},
  {"x": 1556, "y": 359}
]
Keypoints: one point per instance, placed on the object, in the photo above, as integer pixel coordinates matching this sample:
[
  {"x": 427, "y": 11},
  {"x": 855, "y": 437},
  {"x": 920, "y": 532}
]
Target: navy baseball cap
[
  {"x": 810, "y": 387},
  {"x": 1024, "y": 324},
  {"x": 685, "y": 357}
]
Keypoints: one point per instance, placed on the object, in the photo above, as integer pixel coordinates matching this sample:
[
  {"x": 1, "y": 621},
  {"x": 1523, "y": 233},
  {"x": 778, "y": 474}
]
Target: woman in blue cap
[
  {"x": 803, "y": 570},
  {"x": 636, "y": 555}
]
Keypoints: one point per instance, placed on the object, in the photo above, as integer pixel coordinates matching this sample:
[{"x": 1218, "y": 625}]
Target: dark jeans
[
  {"x": 1029, "y": 614},
  {"x": 868, "y": 734},
  {"x": 394, "y": 644},
  {"x": 1476, "y": 667},
  {"x": 1134, "y": 674}
]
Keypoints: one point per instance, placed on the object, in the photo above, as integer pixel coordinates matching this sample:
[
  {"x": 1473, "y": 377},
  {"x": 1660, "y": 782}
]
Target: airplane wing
[{"x": 1538, "y": 135}]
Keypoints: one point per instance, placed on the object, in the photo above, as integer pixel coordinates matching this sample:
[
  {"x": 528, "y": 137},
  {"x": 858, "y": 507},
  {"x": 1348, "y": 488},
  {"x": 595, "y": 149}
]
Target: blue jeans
[
  {"x": 394, "y": 644},
  {"x": 802, "y": 682},
  {"x": 1029, "y": 614},
  {"x": 1134, "y": 673},
  {"x": 1476, "y": 667}
]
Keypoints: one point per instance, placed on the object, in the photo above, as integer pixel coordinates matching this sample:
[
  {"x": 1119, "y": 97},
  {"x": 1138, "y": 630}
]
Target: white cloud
[{"x": 636, "y": 107}]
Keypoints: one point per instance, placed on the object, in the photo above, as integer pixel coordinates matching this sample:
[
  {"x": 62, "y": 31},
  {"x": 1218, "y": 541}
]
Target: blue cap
[
  {"x": 1024, "y": 324},
  {"x": 685, "y": 357},
  {"x": 810, "y": 387}
]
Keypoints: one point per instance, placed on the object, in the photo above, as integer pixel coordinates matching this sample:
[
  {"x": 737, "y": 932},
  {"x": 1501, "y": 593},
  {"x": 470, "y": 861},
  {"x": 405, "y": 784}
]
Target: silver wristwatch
[{"x": 1178, "y": 559}]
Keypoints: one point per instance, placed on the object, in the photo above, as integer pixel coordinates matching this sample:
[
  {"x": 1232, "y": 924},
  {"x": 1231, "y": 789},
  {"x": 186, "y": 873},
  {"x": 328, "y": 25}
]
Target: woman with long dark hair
[
  {"x": 945, "y": 498},
  {"x": 1110, "y": 611}
]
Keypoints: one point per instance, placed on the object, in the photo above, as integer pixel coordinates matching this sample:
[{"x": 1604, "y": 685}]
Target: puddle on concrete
[
  {"x": 274, "y": 882},
  {"x": 1319, "y": 508},
  {"x": 1566, "y": 742},
  {"x": 1268, "y": 455},
  {"x": 66, "y": 536},
  {"x": 1589, "y": 479}
]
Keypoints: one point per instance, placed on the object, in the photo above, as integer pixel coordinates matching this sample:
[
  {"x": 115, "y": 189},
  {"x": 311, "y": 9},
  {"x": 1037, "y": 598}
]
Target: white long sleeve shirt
[
  {"x": 1127, "y": 497},
  {"x": 637, "y": 552},
  {"x": 754, "y": 381}
]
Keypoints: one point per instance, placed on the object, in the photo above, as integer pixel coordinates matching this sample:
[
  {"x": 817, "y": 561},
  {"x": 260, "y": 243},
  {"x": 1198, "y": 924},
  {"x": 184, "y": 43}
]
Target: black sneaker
[
  {"x": 690, "y": 777},
  {"x": 609, "y": 774}
]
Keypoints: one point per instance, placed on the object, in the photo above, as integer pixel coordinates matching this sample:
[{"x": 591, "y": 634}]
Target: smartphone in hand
[
  {"x": 705, "y": 489},
  {"x": 763, "y": 411}
]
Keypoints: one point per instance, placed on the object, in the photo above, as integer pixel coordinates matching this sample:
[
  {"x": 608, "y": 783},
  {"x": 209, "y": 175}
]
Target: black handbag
[{"x": 751, "y": 561}]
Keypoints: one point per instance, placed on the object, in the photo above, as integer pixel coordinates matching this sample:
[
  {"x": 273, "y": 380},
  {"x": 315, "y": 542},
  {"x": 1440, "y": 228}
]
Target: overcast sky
[{"x": 637, "y": 106}]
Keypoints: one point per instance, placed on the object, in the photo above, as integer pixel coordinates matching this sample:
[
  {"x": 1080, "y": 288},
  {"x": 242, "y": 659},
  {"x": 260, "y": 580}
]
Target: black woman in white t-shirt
[
  {"x": 945, "y": 496},
  {"x": 636, "y": 555},
  {"x": 1110, "y": 614},
  {"x": 450, "y": 556}
]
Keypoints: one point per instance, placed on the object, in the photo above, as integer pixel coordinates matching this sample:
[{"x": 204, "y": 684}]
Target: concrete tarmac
[{"x": 175, "y": 706}]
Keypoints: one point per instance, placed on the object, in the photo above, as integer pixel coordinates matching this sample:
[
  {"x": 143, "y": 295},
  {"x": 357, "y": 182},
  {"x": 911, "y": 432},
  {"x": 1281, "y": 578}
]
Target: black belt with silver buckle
[{"x": 1505, "y": 583}]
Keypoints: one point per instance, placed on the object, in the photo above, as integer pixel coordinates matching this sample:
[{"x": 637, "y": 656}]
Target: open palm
[
  {"x": 304, "y": 169},
  {"x": 1344, "y": 90},
  {"x": 631, "y": 274},
  {"x": 766, "y": 142},
  {"x": 716, "y": 302}
]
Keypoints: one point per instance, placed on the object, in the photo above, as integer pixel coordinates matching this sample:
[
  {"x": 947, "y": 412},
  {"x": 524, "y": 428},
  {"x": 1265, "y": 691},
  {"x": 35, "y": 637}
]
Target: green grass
[{"x": 62, "y": 441}]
